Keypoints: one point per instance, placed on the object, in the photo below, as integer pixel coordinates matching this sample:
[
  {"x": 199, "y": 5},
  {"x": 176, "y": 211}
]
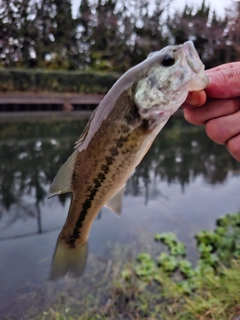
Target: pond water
[{"x": 184, "y": 183}]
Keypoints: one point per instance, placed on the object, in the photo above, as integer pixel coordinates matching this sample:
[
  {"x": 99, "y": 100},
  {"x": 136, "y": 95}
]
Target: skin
[{"x": 218, "y": 107}]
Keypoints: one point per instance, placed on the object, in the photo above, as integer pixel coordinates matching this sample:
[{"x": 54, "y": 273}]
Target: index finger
[
  {"x": 222, "y": 67},
  {"x": 224, "y": 81},
  {"x": 195, "y": 99}
]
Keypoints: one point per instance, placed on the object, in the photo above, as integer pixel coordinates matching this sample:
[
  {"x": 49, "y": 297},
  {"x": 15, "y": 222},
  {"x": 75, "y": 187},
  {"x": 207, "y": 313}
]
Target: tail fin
[{"x": 68, "y": 260}]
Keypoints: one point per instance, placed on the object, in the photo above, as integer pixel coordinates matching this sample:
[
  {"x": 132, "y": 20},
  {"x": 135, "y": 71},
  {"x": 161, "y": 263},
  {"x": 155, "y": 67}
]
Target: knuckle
[
  {"x": 192, "y": 116},
  {"x": 188, "y": 115},
  {"x": 234, "y": 105},
  {"x": 233, "y": 146},
  {"x": 215, "y": 131}
]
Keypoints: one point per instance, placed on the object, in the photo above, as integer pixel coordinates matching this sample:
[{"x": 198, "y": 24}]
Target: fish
[{"x": 118, "y": 135}]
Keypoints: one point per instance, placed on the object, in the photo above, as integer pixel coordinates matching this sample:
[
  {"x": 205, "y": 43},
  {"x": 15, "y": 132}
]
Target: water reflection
[
  {"x": 31, "y": 154},
  {"x": 179, "y": 154},
  {"x": 182, "y": 185}
]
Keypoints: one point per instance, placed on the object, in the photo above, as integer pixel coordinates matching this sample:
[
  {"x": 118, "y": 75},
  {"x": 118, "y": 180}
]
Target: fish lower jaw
[
  {"x": 199, "y": 83},
  {"x": 154, "y": 118}
]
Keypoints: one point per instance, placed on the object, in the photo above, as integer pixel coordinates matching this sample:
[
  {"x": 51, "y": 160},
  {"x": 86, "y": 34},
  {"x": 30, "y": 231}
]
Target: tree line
[{"x": 110, "y": 35}]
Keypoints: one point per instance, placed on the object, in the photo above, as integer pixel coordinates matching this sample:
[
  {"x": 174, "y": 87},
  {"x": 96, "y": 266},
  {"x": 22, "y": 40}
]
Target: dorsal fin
[
  {"x": 115, "y": 203},
  {"x": 62, "y": 182},
  {"x": 82, "y": 137}
]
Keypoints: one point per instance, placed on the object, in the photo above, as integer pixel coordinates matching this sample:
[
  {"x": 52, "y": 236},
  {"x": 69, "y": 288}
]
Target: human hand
[{"x": 218, "y": 107}]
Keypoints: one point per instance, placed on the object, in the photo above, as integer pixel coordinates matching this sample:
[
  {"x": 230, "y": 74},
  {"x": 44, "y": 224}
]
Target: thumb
[{"x": 224, "y": 81}]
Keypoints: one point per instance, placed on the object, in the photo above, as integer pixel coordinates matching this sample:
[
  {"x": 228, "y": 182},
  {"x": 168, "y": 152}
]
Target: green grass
[
  {"x": 45, "y": 80},
  {"x": 161, "y": 284}
]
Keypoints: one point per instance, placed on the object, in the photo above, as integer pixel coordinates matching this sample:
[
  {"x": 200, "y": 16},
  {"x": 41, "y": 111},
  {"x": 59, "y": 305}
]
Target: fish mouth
[
  {"x": 192, "y": 57},
  {"x": 200, "y": 80}
]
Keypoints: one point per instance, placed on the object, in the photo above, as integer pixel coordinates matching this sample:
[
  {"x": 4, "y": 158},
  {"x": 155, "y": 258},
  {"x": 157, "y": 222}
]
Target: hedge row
[{"x": 55, "y": 81}]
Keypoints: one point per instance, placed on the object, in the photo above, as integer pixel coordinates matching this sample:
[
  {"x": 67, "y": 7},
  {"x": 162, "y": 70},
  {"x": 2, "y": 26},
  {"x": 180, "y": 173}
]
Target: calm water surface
[{"x": 184, "y": 184}]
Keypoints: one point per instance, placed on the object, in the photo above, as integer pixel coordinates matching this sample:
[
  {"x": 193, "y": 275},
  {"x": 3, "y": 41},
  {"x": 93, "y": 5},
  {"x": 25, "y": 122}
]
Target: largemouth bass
[{"x": 117, "y": 136}]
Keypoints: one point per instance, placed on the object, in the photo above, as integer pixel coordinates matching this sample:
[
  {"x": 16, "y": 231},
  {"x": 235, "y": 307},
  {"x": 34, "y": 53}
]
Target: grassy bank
[
  {"x": 56, "y": 81},
  {"x": 162, "y": 284}
]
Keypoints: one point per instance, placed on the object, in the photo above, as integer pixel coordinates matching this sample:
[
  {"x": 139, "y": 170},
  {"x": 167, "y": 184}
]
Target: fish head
[{"x": 166, "y": 78}]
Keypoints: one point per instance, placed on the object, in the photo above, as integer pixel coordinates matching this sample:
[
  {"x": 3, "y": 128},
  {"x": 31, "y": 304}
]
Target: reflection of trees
[
  {"x": 180, "y": 153},
  {"x": 31, "y": 154}
]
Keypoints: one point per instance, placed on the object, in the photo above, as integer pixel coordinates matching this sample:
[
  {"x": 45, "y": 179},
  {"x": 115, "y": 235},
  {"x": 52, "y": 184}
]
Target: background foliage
[
  {"x": 80, "y": 81},
  {"x": 110, "y": 35}
]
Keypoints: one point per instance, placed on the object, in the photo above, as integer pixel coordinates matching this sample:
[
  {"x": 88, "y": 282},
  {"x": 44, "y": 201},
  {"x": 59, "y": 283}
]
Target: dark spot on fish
[
  {"x": 91, "y": 196},
  {"x": 85, "y": 207},
  {"x": 121, "y": 141},
  {"x": 74, "y": 179},
  {"x": 145, "y": 124},
  {"x": 145, "y": 111},
  {"x": 76, "y": 231},
  {"x": 94, "y": 191},
  {"x": 114, "y": 151},
  {"x": 152, "y": 81},
  {"x": 132, "y": 116},
  {"x": 168, "y": 84},
  {"x": 105, "y": 168},
  {"x": 181, "y": 77},
  {"x": 124, "y": 129},
  {"x": 89, "y": 189},
  {"x": 87, "y": 204},
  {"x": 165, "y": 85},
  {"x": 109, "y": 160},
  {"x": 133, "y": 88},
  {"x": 120, "y": 165},
  {"x": 129, "y": 149},
  {"x": 74, "y": 176},
  {"x": 97, "y": 182},
  {"x": 101, "y": 176}
]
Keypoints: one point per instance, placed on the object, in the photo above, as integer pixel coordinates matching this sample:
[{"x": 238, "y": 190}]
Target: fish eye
[{"x": 168, "y": 60}]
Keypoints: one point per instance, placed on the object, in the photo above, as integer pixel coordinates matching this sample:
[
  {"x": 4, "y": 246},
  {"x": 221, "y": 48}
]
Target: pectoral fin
[
  {"x": 115, "y": 203},
  {"x": 62, "y": 183}
]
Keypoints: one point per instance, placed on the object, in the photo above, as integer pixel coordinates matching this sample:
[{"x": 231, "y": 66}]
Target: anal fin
[{"x": 115, "y": 203}]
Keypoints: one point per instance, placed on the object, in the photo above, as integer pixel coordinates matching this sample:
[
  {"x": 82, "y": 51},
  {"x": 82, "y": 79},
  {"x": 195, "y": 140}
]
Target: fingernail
[{"x": 193, "y": 98}]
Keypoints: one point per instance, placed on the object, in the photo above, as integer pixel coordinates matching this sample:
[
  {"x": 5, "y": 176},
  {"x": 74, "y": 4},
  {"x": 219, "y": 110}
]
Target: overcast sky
[{"x": 218, "y": 5}]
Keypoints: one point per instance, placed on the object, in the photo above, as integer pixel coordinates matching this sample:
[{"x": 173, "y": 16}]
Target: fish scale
[{"x": 124, "y": 147}]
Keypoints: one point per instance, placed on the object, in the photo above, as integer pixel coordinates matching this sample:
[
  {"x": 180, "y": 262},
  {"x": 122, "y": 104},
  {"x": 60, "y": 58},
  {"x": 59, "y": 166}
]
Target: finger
[
  {"x": 211, "y": 110},
  {"x": 225, "y": 66},
  {"x": 195, "y": 99},
  {"x": 224, "y": 83},
  {"x": 223, "y": 129},
  {"x": 233, "y": 146}
]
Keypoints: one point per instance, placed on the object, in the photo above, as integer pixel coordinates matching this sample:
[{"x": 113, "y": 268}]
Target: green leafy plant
[
  {"x": 215, "y": 248},
  {"x": 165, "y": 285}
]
